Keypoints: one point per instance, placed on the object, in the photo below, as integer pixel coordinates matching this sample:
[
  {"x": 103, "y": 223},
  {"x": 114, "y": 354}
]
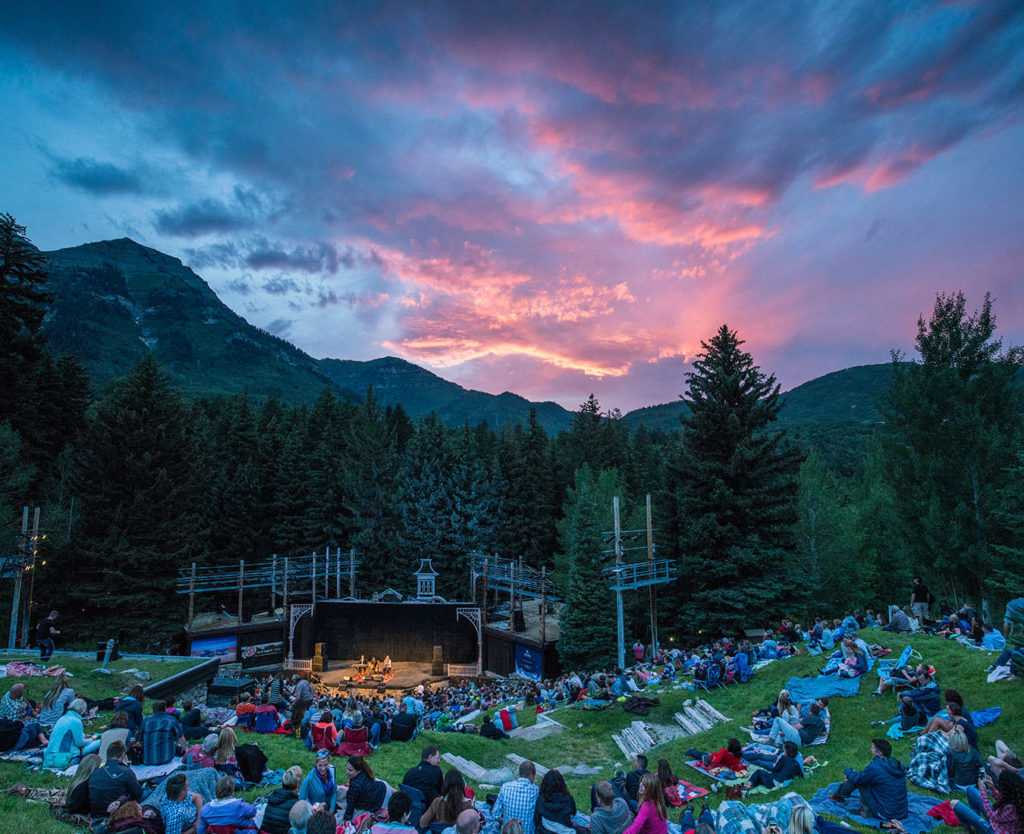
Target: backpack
[{"x": 251, "y": 761}]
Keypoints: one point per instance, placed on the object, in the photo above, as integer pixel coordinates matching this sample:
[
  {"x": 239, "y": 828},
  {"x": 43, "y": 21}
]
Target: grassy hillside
[{"x": 587, "y": 737}]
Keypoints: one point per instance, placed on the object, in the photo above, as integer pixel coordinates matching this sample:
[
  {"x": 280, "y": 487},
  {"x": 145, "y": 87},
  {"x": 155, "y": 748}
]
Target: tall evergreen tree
[
  {"x": 138, "y": 519},
  {"x": 736, "y": 490},
  {"x": 953, "y": 424},
  {"x": 587, "y": 620}
]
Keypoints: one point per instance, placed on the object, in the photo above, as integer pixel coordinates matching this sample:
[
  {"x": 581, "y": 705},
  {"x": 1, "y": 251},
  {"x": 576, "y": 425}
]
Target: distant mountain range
[{"x": 116, "y": 299}]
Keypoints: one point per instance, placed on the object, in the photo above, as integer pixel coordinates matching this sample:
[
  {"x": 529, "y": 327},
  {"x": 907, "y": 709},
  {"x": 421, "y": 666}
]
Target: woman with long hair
[
  {"x": 56, "y": 701},
  {"x": 117, "y": 730},
  {"x": 651, "y": 814},
  {"x": 992, "y": 810},
  {"x": 365, "y": 793},
  {"x": 451, "y": 802},
  {"x": 555, "y": 806},
  {"x": 224, "y": 753},
  {"x": 77, "y": 801}
]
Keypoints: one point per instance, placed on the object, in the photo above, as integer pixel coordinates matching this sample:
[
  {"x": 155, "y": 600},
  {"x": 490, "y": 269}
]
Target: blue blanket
[
  {"x": 802, "y": 690},
  {"x": 917, "y": 821}
]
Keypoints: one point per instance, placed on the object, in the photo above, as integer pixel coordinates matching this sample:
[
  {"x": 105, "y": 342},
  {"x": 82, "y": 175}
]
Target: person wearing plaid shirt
[
  {"x": 179, "y": 814},
  {"x": 518, "y": 799},
  {"x": 161, "y": 735}
]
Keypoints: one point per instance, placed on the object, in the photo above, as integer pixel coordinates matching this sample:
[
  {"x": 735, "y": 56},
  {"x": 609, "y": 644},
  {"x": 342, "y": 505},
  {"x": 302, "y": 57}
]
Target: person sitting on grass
[
  {"x": 488, "y": 729},
  {"x": 612, "y": 814},
  {"x": 227, "y": 810},
  {"x": 992, "y": 810},
  {"x": 882, "y": 785},
  {"x": 962, "y": 761},
  {"x": 161, "y": 737},
  {"x": 449, "y": 803},
  {"x": 920, "y": 704},
  {"x": 651, "y": 815},
  {"x": 555, "y": 806},
  {"x": 783, "y": 707},
  {"x": 365, "y": 793},
  {"x": 56, "y": 701},
  {"x": 15, "y": 708},
  {"x": 904, "y": 676},
  {"x": 77, "y": 798},
  {"x": 784, "y": 769},
  {"x": 299, "y": 817},
  {"x": 399, "y": 808},
  {"x": 806, "y": 730},
  {"x": 729, "y": 756},
  {"x": 68, "y": 734},
  {"x": 113, "y": 779},
  {"x": 1004, "y": 759},
  {"x": 179, "y": 809}
]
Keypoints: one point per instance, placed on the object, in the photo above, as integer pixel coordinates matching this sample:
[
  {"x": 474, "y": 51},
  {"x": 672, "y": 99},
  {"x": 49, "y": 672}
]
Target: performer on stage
[{"x": 387, "y": 664}]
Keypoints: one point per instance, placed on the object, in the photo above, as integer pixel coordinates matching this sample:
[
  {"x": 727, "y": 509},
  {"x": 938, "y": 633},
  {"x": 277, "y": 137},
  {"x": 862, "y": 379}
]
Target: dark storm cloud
[
  {"x": 100, "y": 178},
  {"x": 202, "y": 218}
]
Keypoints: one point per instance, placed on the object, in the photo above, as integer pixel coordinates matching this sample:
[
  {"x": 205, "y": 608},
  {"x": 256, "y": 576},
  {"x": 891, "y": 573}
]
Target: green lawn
[{"x": 592, "y": 744}]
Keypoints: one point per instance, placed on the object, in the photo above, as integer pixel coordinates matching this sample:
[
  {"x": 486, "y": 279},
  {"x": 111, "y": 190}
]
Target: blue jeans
[
  {"x": 784, "y": 730},
  {"x": 46, "y": 648},
  {"x": 973, "y": 816},
  {"x": 687, "y": 822},
  {"x": 767, "y": 762},
  {"x": 29, "y": 735}
]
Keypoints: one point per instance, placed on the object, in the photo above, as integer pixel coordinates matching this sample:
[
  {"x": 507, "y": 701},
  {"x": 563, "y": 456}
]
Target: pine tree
[
  {"x": 587, "y": 621},
  {"x": 953, "y": 424},
  {"x": 735, "y": 491},
  {"x": 138, "y": 514}
]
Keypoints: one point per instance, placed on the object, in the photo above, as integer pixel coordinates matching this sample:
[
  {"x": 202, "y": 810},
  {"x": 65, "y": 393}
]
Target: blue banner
[{"x": 529, "y": 663}]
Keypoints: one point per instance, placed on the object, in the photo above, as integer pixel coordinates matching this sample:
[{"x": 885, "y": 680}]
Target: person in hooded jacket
[
  {"x": 555, "y": 806},
  {"x": 882, "y": 785},
  {"x": 280, "y": 802}
]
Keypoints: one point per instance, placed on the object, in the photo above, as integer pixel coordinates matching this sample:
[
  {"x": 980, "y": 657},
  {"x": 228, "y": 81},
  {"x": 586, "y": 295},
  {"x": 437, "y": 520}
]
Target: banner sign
[
  {"x": 262, "y": 654},
  {"x": 529, "y": 663}
]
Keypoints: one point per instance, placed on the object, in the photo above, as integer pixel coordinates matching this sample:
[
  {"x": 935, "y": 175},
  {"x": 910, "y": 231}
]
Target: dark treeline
[{"x": 136, "y": 483}]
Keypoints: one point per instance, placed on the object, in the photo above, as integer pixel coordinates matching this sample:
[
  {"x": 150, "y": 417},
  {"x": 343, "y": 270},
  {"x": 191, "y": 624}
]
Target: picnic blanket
[
  {"x": 916, "y": 822},
  {"x": 688, "y": 791},
  {"x": 802, "y": 690},
  {"x": 28, "y": 756},
  {"x": 24, "y": 669},
  {"x": 826, "y": 716},
  {"x": 142, "y": 772},
  {"x": 982, "y": 717},
  {"x": 736, "y": 818},
  {"x": 592, "y": 704},
  {"x": 723, "y": 774}
]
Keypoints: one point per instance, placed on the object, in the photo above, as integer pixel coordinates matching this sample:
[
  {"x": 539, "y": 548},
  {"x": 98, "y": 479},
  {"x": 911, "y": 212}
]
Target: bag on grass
[{"x": 251, "y": 761}]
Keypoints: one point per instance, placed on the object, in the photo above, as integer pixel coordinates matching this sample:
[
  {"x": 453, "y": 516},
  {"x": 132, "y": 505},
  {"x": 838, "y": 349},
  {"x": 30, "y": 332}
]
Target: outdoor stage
[{"x": 406, "y": 675}]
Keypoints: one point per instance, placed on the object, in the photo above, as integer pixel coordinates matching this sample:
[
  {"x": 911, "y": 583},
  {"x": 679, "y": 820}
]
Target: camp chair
[
  {"x": 419, "y": 805},
  {"x": 712, "y": 677},
  {"x": 324, "y": 736},
  {"x": 354, "y": 742},
  {"x": 887, "y": 666},
  {"x": 743, "y": 670}
]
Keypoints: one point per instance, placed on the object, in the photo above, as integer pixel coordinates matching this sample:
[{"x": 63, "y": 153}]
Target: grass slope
[{"x": 591, "y": 743}]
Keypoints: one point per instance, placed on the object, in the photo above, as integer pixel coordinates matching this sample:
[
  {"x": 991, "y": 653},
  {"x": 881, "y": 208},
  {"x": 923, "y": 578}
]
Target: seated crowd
[{"x": 321, "y": 798}]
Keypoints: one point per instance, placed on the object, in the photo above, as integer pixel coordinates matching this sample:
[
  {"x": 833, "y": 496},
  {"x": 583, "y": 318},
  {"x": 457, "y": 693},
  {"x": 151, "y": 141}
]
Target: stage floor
[{"x": 407, "y": 675}]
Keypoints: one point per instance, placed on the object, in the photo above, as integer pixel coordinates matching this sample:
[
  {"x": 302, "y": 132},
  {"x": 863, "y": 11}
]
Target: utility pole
[
  {"x": 654, "y": 601},
  {"x": 32, "y": 548},
  {"x": 620, "y": 615}
]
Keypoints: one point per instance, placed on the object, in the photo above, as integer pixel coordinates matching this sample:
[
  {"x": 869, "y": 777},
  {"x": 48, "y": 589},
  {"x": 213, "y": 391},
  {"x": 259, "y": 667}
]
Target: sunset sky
[{"x": 553, "y": 198}]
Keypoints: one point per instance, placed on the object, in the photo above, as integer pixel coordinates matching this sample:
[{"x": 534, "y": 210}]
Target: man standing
[
  {"x": 518, "y": 799},
  {"x": 426, "y": 776},
  {"x": 46, "y": 630},
  {"x": 920, "y": 599},
  {"x": 882, "y": 785}
]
